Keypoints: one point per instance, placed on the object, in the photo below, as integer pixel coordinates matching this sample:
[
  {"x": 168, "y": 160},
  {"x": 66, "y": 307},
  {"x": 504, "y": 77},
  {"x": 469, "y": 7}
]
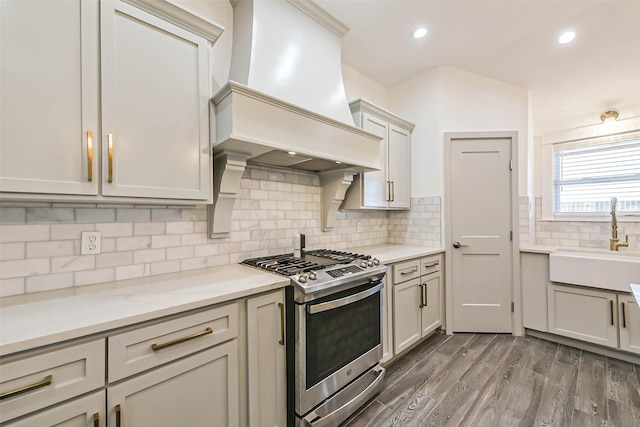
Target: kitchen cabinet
[
  {"x": 387, "y": 320},
  {"x": 390, "y": 187},
  {"x": 86, "y": 411},
  {"x": 38, "y": 380},
  {"x": 266, "y": 370},
  {"x": 180, "y": 383},
  {"x": 534, "y": 269},
  {"x": 197, "y": 391},
  {"x": 417, "y": 300},
  {"x": 123, "y": 89},
  {"x": 629, "y": 323},
  {"x": 585, "y": 314}
]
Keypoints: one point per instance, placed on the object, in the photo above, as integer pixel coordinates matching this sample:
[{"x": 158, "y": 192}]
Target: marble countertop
[
  {"x": 635, "y": 288},
  {"x": 389, "y": 254},
  {"x": 46, "y": 318}
]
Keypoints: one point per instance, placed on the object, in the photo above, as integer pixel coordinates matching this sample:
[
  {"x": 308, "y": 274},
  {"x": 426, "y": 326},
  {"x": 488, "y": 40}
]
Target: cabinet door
[
  {"x": 49, "y": 138},
  {"x": 267, "y": 377},
  {"x": 432, "y": 310},
  {"x": 375, "y": 186},
  {"x": 87, "y": 411},
  {"x": 535, "y": 277},
  {"x": 399, "y": 167},
  {"x": 407, "y": 323},
  {"x": 584, "y": 314},
  {"x": 201, "y": 390},
  {"x": 629, "y": 323},
  {"x": 154, "y": 107}
]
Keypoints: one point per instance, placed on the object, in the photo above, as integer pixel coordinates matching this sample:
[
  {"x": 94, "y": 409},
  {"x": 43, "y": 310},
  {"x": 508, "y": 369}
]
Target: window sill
[{"x": 586, "y": 218}]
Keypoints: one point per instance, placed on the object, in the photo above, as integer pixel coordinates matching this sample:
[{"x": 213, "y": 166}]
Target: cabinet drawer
[
  {"x": 145, "y": 348},
  {"x": 430, "y": 265},
  {"x": 44, "y": 379},
  {"x": 406, "y": 270}
]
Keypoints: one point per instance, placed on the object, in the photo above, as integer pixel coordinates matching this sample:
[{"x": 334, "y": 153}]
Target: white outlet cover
[{"x": 90, "y": 242}]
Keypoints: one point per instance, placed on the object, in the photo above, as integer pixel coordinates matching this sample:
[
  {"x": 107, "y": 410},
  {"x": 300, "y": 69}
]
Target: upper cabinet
[
  {"x": 389, "y": 187},
  {"x": 105, "y": 99}
]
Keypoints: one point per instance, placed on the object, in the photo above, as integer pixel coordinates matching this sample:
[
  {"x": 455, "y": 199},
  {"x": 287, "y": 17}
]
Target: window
[{"x": 588, "y": 173}]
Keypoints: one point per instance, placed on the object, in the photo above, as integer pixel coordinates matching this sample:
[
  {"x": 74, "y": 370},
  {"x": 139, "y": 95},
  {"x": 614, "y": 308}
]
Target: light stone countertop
[
  {"x": 46, "y": 318},
  {"x": 538, "y": 249},
  {"x": 389, "y": 254}
]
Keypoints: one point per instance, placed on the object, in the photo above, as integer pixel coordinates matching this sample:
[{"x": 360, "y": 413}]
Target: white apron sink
[{"x": 608, "y": 270}]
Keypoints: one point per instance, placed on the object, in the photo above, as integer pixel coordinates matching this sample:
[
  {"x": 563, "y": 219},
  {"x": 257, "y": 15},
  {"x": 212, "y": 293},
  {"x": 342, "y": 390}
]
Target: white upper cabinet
[
  {"x": 105, "y": 99},
  {"x": 389, "y": 187},
  {"x": 49, "y": 132},
  {"x": 155, "y": 128}
]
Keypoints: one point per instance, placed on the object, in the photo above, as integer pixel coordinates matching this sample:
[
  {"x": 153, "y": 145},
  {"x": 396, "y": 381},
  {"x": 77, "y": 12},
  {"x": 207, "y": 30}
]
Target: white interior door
[{"x": 480, "y": 215}]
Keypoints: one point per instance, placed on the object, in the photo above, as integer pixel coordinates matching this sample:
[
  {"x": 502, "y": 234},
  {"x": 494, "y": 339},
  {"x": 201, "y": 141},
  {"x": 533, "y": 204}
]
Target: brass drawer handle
[
  {"x": 156, "y": 347},
  {"x": 40, "y": 384},
  {"x": 96, "y": 420},
  {"x": 281, "y": 306},
  {"x": 432, "y": 264},
  {"x": 89, "y": 155},
  {"x": 110, "y": 157},
  {"x": 624, "y": 316},
  {"x": 118, "y": 415},
  {"x": 404, "y": 273}
]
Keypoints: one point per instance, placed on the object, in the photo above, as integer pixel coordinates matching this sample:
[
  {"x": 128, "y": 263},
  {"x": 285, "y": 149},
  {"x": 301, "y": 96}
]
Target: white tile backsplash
[{"x": 40, "y": 242}]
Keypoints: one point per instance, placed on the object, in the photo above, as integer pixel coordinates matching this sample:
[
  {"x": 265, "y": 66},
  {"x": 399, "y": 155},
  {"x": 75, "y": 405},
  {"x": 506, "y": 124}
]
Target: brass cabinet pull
[
  {"x": 89, "y": 155},
  {"x": 96, "y": 420},
  {"x": 388, "y": 191},
  {"x": 624, "y": 316},
  {"x": 426, "y": 296},
  {"x": 40, "y": 384},
  {"x": 393, "y": 191},
  {"x": 110, "y": 157},
  {"x": 421, "y": 295},
  {"x": 156, "y": 347},
  {"x": 118, "y": 415},
  {"x": 281, "y": 306},
  {"x": 432, "y": 264},
  {"x": 404, "y": 273},
  {"x": 611, "y": 308}
]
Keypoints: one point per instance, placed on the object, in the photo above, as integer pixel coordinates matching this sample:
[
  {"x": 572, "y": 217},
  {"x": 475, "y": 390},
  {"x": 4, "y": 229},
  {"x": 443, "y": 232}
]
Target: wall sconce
[{"x": 609, "y": 116}]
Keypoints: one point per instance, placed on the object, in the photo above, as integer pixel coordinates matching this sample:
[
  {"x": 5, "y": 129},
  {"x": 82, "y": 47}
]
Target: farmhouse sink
[{"x": 605, "y": 270}]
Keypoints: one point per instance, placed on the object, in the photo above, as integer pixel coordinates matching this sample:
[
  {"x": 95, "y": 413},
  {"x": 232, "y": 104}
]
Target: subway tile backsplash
[{"x": 40, "y": 242}]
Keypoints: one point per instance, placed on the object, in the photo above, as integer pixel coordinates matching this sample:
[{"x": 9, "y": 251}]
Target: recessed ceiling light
[
  {"x": 419, "y": 33},
  {"x": 567, "y": 37},
  {"x": 293, "y": 153}
]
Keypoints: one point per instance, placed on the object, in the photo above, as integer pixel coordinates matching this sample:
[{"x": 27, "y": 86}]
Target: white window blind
[{"x": 588, "y": 173}]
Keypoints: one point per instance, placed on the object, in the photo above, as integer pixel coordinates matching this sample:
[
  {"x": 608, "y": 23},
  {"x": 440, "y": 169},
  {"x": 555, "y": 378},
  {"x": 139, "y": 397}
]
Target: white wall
[
  {"x": 448, "y": 99},
  {"x": 358, "y": 85}
]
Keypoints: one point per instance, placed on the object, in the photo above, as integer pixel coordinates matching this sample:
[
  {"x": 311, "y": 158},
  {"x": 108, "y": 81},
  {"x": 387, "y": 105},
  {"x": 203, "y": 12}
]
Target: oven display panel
[{"x": 344, "y": 271}]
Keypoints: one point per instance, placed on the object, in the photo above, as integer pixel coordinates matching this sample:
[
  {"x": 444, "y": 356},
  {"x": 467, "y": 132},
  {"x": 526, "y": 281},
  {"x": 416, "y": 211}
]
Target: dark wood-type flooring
[{"x": 501, "y": 380}]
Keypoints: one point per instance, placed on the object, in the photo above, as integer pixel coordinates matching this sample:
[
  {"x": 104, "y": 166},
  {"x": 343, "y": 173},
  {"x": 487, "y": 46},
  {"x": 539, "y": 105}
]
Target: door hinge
[
  {"x": 510, "y": 165},
  {"x": 511, "y": 235},
  {"x": 513, "y": 307}
]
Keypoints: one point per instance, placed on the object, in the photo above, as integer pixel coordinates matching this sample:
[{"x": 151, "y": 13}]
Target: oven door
[{"x": 338, "y": 339}]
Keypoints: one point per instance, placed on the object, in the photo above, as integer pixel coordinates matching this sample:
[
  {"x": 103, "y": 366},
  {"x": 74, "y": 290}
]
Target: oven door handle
[{"x": 330, "y": 305}]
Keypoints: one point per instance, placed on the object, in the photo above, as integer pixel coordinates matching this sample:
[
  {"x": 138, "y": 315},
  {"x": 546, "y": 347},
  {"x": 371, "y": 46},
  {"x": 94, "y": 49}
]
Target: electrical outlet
[{"x": 90, "y": 242}]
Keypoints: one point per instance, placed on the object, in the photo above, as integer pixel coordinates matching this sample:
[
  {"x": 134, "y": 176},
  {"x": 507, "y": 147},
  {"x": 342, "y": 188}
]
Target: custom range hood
[{"x": 285, "y": 105}]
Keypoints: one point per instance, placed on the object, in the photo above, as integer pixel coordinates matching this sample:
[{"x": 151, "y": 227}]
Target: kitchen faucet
[{"x": 614, "y": 242}]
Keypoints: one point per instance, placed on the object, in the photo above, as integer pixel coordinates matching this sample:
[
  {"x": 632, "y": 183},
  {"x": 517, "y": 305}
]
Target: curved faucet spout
[{"x": 614, "y": 225}]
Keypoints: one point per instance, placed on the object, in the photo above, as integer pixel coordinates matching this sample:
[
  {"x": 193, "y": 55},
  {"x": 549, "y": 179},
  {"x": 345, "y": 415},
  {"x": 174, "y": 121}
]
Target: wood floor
[{"x": 500, "y": 380}]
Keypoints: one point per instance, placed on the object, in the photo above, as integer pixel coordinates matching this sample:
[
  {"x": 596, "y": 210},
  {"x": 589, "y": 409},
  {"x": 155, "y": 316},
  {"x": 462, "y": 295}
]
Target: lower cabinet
[
  {"x": 197, "y": 391},
  {"x": 607, "y": 318},
  {"x": 87, "y": 411},
  {"x": 266, "y": 360},
  {"x": 629, "y": 323},
  {"x": 417, "y": 300}
]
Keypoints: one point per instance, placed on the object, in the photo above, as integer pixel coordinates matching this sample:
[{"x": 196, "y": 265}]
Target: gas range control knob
[
  {"x": 302, "y": 278},
  {"x": 376, "y": 261},
  {"x": 370, "y": 263},
  {"x": 313, "y": 275},
  {"x": 363, "y": 264}
]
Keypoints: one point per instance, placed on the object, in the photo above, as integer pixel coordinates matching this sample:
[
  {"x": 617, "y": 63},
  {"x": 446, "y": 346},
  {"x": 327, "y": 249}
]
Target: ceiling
[{"x": 514, "y": 41}]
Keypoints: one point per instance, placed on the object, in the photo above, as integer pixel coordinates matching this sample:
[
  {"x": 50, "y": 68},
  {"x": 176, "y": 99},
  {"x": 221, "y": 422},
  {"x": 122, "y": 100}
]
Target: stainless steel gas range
[{"x": 335, "y": 322}]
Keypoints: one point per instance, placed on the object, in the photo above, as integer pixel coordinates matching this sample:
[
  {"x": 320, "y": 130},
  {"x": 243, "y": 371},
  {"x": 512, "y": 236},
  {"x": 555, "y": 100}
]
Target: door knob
[{"x": 459, "y": 245}]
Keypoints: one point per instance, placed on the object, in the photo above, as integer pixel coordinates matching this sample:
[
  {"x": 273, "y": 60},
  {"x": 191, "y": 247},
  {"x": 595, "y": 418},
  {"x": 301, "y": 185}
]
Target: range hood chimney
[{"x": 285, "y": 104}]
